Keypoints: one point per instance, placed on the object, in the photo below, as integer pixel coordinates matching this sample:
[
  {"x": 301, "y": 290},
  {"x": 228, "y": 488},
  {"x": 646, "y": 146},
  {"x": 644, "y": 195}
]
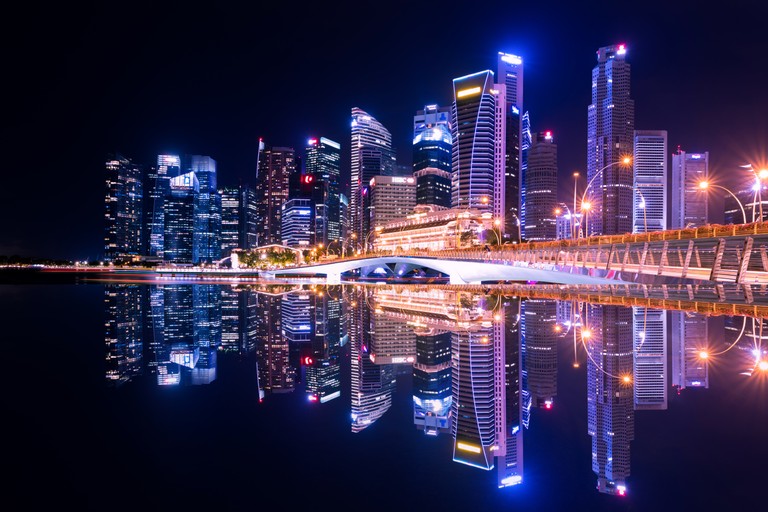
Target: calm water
[{"x": 216, "y": 397}]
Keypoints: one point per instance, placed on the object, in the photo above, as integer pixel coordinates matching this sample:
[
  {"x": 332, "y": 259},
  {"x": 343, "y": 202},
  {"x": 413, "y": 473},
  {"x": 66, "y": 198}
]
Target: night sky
[{"x": 92, "y": 79}]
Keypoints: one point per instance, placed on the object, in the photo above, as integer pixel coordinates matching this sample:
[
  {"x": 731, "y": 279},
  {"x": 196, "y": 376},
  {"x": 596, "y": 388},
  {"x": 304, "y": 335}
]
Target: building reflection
[
  {"x": 479, "y": 364},
  {"x": 610, "y": 411}
]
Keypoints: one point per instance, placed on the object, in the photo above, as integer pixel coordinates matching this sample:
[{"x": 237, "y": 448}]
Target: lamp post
[
  {"x": 517, "y": 221},
  {"x": 760, "y": 175},
  {"x": 377, "y": 229},
  {"x": 704, "y": 185},
  {"x": 496, "y": 231},
  {"x": 644, "y": 206},
  {"x": 573, "y": 219},
  {"x": 572, "y": 223},
  {"x": 624, "y": 161}
]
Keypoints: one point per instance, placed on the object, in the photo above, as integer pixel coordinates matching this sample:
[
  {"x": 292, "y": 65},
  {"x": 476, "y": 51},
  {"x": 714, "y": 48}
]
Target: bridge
[{"x": 735, "y": 253}]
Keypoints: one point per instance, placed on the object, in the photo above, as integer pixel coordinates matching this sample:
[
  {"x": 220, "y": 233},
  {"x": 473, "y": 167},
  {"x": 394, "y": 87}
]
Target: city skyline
[{"x": 99, "y": 91}]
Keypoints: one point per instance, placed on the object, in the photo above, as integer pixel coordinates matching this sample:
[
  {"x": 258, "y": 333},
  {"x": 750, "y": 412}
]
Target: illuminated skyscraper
[
  {"x": 276, "y": 375},
  {"x": 689, "y": 202},
  {"x": 238, "y": 219},
  {"x": 372, "y": 155},
  {"x": 296, "y": 222},
  {"x": 478, "y": 119},
  {"x": 540, "y": 187},
  {"x": 510, "y": 73},
  {"x": 649, "y": 205},
  {"x": 432, "y": 148},
  {"x": 276, "y": 165},
  {"x": 207, "y": 235},
  {"x": 392, "y": 341},
  {"x": 323, "y": 163},
  {"x": 179, "y": 218},
  {"x": 124, "y": 206},
  {"x": 610, "y": 412},
  {"x": 157, "y": 187},
  {"x": 610, "y": 130},
  {"x": 649, "y": 358}
]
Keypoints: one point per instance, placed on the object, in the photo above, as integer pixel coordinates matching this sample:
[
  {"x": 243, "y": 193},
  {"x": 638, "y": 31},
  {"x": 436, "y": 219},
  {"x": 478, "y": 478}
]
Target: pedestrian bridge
[{"x": 460, "y": 271}]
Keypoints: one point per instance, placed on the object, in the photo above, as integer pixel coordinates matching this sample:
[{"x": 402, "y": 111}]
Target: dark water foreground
[{"x": 232, "y": 397}]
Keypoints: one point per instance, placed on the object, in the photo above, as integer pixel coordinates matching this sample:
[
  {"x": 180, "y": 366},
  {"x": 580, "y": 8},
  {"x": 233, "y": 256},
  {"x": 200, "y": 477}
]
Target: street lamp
[
  {"x": 704, "y": 185},
  {"x": 496, "y": 231},
  {"x": 644, "y": 206},
  {"x": 571, "y": 216},
  {"x": 519, "y": 233},
  {"x": 760, "y": 175},
  {"x": 377, "y": 229},
  {"x": 624, "y": 161}
]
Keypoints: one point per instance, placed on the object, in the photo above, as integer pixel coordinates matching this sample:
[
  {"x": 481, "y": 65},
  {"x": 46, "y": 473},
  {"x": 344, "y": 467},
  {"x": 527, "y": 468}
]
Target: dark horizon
[{"x": 94, "y": 79}]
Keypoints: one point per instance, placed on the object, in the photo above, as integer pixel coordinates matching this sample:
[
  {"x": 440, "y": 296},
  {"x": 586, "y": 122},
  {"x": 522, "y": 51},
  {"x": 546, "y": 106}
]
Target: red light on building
[
  {"x": 312, "y": 398},
  {"x": 307, "y": 360},
  {"x": 307, "y": 178}
]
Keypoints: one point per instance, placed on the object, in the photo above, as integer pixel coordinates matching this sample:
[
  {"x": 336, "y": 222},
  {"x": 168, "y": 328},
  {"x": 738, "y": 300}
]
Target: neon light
[
  {"x": 312, "y": 142},
  {"x": 511, "y": 59},
  {"x": 312, "y": 398},
  {"x": 468, "y": 447},
  {"x": 511, "y": 480},
  {"x": 468, "y": 92},
  {"x": 622, "y": 50}
]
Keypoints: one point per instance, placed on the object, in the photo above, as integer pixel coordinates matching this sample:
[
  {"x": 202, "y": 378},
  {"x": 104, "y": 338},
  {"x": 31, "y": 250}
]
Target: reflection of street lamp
[
  {"x": 573, "y": 219},
  {"x": 624, "y": 161},
  {"x": 704, "y": 185}
]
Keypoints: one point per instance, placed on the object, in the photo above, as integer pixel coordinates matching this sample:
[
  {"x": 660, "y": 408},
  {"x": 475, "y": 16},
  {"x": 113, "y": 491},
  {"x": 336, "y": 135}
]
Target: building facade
[
  {"x": 649, "y": 201},
  {"x": 124, "y": 207},
  {"x": 510, "y": 73},
  {"x": 541, "y": 189},
  {"x": 276, "y": 165},
  {"x": 689, "y": 202},
  {"x": 323, "y": 163}
]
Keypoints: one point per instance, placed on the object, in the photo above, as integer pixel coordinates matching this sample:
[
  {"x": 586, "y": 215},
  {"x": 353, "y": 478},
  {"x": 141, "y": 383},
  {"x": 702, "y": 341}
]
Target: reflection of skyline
[{"x": 479, "y": 364}]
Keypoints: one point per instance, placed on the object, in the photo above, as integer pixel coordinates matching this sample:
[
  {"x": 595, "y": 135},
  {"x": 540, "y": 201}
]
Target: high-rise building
[
  {"x": 432, "y": 147},
  {"x": 207, "y": 241},
  {"x": 296, "y": 230},
  {"x": 323, "y": 163},
  {"x": 157, "y": 186},
  {"x": 478, "y": 159},
  {"x": 123, "y": 331},
  {"x": 649, "y": 363},
  {"x": 179, "y": 218},
  {"x": 276, "y": 165},
  {"x": 276, "y": 375},
  {"x": 124, "y": 206},
  {"x": 526, "y": 139},
  {"x": 372, "y": 155},
  {"x": 432, "y": 381},
  {"x": 541, "y": 188},
  {"x": 239, "y": 223},
  {"x": 432, "y": 140},
  {"x": 538, "y": 318},
  {"x": 391, "y": 198},
  {"x": 689, "y": 202},
  {"x": 610, "y": 130},
  {"x": 510, "y": 73},
  {"x": 649, "y": 203}
]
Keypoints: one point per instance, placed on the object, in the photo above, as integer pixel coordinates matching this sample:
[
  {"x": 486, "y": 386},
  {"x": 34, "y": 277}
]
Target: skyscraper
[
  {"x": 689, "y": 202},
  {"x": 179, "y": 218},
  {"x": 207, "y": 241},
  {"x": 478, "y": 144},
  {"x": 432, "y": 146},
  {"x": 372, "y": 155},
  {"x": 296, "y": 230},
  {"x": 510, "y": 73},
  {"x": 323, "y": 163},
  {"x": 649, "y": 203},
  {"x": 610, "y": 130},
  {"x": 690, "y": 333},
  {"x": 157, "y": 187},
  {"x": 123, "y": 209},
  {"x": 276, "y": 165},
  {"x": 238, "y": 219},
  {"x": 541, "y": 188}
]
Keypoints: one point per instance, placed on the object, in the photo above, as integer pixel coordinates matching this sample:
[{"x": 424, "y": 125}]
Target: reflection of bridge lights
[
  {"x": 558, "y": 328},
  {"x": 762, "y": 365},
  {"x": 575, "y": 364},
  {"x": 586, "y": 334},
  {"x": 484, "y": 339},
  {"x": 626, "y": 379},
  {"x": 703, "y": 354}
]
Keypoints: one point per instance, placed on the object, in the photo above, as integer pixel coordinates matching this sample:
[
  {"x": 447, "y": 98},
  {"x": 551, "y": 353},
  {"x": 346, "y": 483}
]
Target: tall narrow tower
[
  {"x": 478, "y": 144},
  {"x": 649, "y": 203},
  {"x": 372, "y": 155},
  {"x": 276, "y": 164},
  {"x": 610, "y": 130},
  {"x": 510, "y": 73}
]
